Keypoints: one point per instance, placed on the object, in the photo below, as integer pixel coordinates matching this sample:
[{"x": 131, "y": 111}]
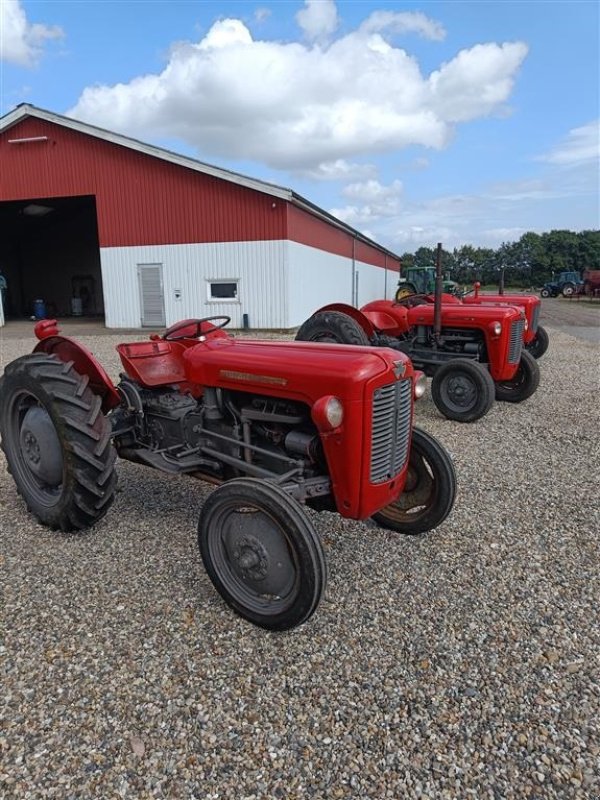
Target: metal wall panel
[
  {"x": 305, "y": 228},
  {"x": 258, "y": 267},
  {"x": 316, "y": 278},
  {"x": 139, "y": 199}
]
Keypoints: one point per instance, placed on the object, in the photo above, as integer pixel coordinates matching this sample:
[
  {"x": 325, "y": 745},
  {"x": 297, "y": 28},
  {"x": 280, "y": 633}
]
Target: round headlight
[
  {"x": 334, "y": 412},
  {"x": 496, "y": 328},
  {"x": 420, "y": 384},
  {"x": 328, "y": 413},
  {"x": 526, "y": 324}
]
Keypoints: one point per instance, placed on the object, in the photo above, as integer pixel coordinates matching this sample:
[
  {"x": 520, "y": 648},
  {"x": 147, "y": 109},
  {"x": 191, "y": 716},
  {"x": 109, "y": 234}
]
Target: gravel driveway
[{"x": 461, "y": 664}]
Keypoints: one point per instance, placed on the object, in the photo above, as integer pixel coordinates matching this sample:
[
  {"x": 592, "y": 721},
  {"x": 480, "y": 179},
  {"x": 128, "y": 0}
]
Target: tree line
[{"x": 529, "y": 262}]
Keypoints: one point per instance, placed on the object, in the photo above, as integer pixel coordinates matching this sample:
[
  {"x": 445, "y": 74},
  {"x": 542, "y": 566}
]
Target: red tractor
[
  {"x": 535, "y": 337},
  {"x": 474, "y": 353},
  {"x": 274, "y": 424}
]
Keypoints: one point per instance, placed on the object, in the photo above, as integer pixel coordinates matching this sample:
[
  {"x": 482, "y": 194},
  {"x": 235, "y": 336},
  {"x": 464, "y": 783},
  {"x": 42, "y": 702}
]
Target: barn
[{"x": 98, "y": 224}]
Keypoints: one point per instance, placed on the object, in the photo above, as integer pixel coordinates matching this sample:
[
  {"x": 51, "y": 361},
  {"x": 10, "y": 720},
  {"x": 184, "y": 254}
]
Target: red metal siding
[
  {"x": 139, "y": 199},
  {"x": 144, "y": 200},
  {"x": 308, "y": 229}
]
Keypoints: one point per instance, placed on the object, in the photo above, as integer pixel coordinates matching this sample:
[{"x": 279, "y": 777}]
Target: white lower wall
[
  {"x": 280, "y": 283},
  {"x": 259, "y": 267},
  {"x": 316, "y": 278}
]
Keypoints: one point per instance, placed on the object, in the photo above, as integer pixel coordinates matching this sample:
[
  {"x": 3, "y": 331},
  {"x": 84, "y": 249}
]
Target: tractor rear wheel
[
  {"x": 524, "y": 383},
  {"x": 429, "y": 491},
  {"x": 57, "y": 442},
  {"x": 463, "y": 390},
  {"x": 404, "y": 290},
  {"x": 538, "y": 346},
  {"x": 262, "y": 554},
  {"x": 568, "y": 290},
  {"x": 332, "y": 327}
]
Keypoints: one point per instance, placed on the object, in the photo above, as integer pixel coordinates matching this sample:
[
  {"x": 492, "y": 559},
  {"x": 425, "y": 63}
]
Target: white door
[{"x": 152, "y": 299}]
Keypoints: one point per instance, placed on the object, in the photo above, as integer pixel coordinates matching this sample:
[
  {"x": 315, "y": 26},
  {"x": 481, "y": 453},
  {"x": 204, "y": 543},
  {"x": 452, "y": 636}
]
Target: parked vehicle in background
[
  {"x": 567, "y": 284},
  {"x": 421, "y": 280},
  {"x": 535, "y": 337},
  {"x": 591, "y": 282}
]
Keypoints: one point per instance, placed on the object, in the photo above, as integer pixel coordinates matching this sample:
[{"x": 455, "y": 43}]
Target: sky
[{"x": 460, "y": 122}]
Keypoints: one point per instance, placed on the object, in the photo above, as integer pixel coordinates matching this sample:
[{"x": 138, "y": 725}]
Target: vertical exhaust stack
[
  {"x": 437, "y": 309},
  {"x": 501, "y": 282}
]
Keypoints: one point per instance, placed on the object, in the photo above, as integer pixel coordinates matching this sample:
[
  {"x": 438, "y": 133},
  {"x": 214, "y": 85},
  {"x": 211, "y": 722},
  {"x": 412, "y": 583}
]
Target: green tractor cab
[{"x": 421, "y": 280}]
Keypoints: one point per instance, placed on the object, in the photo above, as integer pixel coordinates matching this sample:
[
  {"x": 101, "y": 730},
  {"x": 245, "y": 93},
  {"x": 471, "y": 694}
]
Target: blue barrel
[{"x": 39, "y": 309}]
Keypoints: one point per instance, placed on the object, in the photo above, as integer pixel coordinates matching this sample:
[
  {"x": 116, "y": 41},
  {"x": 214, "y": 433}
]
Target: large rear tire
[
  {"x": 404, "y": 290},
  {"x": 429, "y": 491},
  {"x": 262, "y": 554},
  {"x": 56, "y": 442},
  {"x": 524, "y": 383},
  {"x": 332, "y": 327},
  {"x": 568, "y": 290},
  {"x": 463, "y": 390},
  {"x": 538, "y": 346}
]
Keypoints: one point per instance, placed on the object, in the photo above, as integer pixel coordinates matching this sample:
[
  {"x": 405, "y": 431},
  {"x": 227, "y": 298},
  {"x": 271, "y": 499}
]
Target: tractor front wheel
[
  {"x": 262, "y": 553},
  {"x": 524, "y": 383},
  {"x": 538, "y": 346},
  {"x": 429, "y": 491},
  {"x": 463, "y": 390},
  {"x": 332, "y": 327},
  {"x": 56, "y": 442},
  {"x": 545, "y": 293}
]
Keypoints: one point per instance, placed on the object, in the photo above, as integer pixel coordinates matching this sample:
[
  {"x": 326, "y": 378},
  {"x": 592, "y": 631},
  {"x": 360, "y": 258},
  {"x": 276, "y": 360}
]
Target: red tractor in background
[
  {"x": 535, "y": 337},
  {"x": 274, "y": 424},
  {"x": 474, "y": 352}
]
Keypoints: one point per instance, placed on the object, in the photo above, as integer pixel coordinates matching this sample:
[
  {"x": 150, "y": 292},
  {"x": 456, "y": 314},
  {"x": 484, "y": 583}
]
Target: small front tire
[
  {"x": 262, "y": 554},
  {"x": 463, "y": 390},
  {"x": 429, "y": 491},
  {"x": 524, "y": 383},
  {"x": 538, "y": 346}
]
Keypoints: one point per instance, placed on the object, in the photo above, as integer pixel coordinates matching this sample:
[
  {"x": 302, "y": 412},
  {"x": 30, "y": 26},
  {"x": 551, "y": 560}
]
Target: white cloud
[
  {"x": 21, "y": 42},
  {"x": 295, "y": 106},
  {"x": 318, "y": 19},
  {"x": 404, "y": 22},
  {"x": 477, "y": 81},
  {"x": 379, "y": 202},
  {"x": 372, "y": 190},
  {"x": 339, "y": 170},
  {"x": 261, "y": 14},
  {"x": 580, "y": 146}
]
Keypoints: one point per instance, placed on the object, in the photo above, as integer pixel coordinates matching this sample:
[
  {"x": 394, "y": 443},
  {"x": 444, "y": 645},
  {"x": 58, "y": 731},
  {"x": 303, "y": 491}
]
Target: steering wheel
[
  {"x": 412, "y": 300},
  {"x": 181, "y": 328}
]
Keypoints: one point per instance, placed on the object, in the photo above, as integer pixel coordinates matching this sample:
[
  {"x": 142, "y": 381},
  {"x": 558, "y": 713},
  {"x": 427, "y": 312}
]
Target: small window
[{"x": 222, "y": 290}]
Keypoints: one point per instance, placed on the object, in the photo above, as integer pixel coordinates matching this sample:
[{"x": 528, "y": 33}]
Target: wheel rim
[
  {"x": 253, "y": 559},
  {"x": 35, "y": 448},
  {"x": 459, "y": 392},
  {"x": 326, "y": 338},
  {"x": 516, "y": 383},
  {"x": 419, "y": 493}
]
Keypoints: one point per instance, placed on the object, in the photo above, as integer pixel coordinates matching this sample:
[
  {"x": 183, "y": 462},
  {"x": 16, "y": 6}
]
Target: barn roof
[{"x": 25, "y": 110}]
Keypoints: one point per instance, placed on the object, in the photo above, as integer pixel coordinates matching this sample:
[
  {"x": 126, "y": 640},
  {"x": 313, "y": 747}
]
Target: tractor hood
[
  {"x": 460, "y": 315},
  {"x": 303, "y": 371}
]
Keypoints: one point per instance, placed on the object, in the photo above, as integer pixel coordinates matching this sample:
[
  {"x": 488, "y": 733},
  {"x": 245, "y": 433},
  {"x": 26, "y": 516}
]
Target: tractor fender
[
  {"x": 387, "y": 316},
  {"x": 68, "y": 350},
  {"x": 362, "y": 319}
]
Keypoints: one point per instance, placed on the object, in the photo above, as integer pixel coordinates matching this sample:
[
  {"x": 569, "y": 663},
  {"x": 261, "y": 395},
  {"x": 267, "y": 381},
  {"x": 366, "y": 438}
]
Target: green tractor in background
[{"x": 421, "y": 280}]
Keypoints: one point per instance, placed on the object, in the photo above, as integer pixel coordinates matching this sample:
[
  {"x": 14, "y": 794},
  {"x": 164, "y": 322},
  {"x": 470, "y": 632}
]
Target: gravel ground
[{"x": 460, "y": 664}]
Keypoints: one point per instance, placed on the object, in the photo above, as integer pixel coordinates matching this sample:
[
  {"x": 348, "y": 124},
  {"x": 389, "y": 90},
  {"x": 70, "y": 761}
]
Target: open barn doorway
[{"x": 50, "y": 258}]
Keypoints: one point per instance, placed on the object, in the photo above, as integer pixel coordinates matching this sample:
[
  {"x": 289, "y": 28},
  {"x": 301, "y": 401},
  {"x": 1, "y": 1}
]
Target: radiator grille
[
  {"x": 390, "y": 430},
  {"x": 516, "y": 341},
  {"x": 535, "y": 317}
]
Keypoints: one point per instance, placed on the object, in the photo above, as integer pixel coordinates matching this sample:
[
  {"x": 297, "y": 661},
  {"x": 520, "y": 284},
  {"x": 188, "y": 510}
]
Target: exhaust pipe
[{"x": 437, "y": 308}]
